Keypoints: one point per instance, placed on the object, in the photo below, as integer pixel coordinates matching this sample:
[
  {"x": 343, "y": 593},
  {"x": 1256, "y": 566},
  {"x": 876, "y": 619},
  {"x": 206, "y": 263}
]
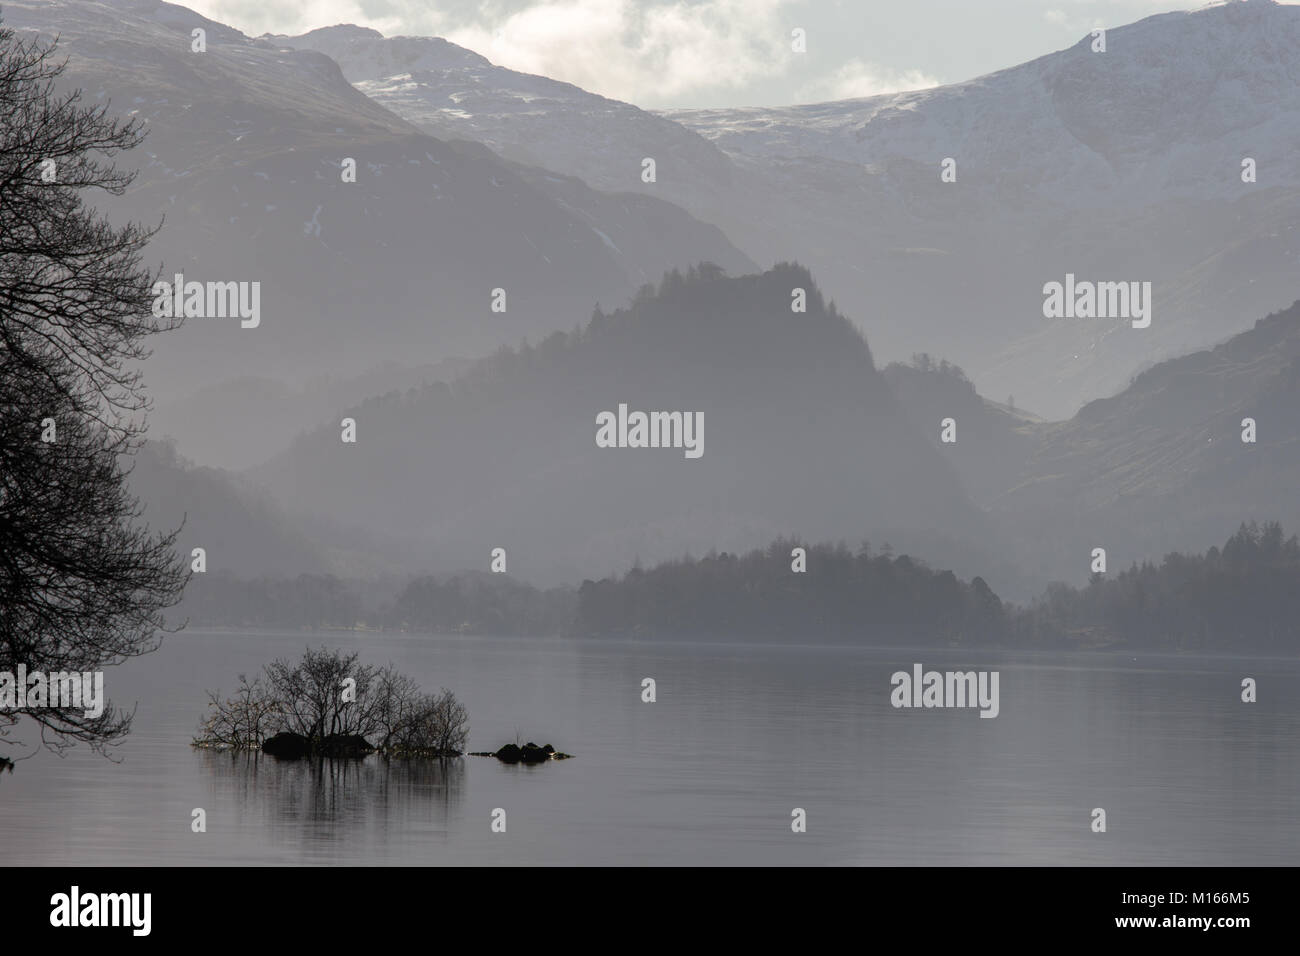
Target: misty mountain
[
  {"x": 1162, "y": 465},
  {"x": 992, "y": 441},
  {"x": 214, "y": 417},
  {"x": 802, "y": 436},
  {"x": 452, "y": 92},
  {"x": 244, "y": 160},
  {"x": 1120, "y": 165},
  {"x": 1117, "y": 166},
  {"x": 240, "y": 531}
]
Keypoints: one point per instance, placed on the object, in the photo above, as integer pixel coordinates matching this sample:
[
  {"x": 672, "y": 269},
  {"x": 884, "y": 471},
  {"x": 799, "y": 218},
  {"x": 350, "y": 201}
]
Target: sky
[{"x": 712, "y": 53}]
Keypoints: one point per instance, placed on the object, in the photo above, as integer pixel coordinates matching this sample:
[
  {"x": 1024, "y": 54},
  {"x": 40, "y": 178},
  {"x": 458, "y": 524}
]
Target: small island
[
  {"x": 329, "y": 705},
  {"x": 528, "y": 753}
]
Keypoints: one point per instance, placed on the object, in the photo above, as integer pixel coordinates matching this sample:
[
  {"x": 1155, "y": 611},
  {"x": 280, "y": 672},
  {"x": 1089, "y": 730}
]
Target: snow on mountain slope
[
  {"x": 451, "y": 92},
  {"x": 1115, "y": 166},
  {"x": 1170, "y": 108},
  {"x": 244, "y": 160},
  {"x": 365, "y": 54},
  {"x": 1120, "y": 165}
]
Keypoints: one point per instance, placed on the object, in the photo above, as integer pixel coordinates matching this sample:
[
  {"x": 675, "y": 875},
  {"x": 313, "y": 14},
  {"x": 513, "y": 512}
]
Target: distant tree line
[
  {"x": 467, "y": 603},
  {"x": 1246, "y": 594},
  {"x": 924, "y": 362},
  {"x": 316, "y": 601},
  {"x": 843, "y": 596}
]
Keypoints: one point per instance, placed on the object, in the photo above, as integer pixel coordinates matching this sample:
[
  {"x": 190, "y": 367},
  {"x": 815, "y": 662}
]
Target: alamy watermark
[
  {"x": 208, "y": 300},
  {"x": 69, "y": 690},
  {"x": 626, "y": 429},
  {"x": 74, "y": 908},
  {"x": 946, "y": 689},
  {"x": 1098, "y": 300}
]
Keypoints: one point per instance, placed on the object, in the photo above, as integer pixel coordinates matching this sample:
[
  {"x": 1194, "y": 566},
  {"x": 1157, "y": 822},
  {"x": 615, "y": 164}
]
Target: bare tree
[
  {"x": 314, "y": 699},
  {"x": 399, "y": 709},
  {"x": 240, "y": 722},
  {"x": 82, "y": 584},
  {"x": 438, "y": 727},
  {"x": 325, "y": 694},
  {"x": 450, "y": 723}
]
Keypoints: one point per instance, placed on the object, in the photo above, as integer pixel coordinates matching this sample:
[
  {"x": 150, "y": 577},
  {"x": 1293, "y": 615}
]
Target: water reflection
[
  {"x": 339, "y": 796},
  {"x": 1188, "y": 774}
]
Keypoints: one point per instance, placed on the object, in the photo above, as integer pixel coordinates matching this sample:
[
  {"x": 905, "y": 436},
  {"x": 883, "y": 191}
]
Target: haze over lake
[{"x": 708, "y": 774}]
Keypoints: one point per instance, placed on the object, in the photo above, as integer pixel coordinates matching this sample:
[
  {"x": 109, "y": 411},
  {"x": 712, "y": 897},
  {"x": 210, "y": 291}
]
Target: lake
[{"x": 739, "y": 736}]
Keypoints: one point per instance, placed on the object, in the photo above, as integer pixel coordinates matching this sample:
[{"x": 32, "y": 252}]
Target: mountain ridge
[{"x": 1118, "y": 165}]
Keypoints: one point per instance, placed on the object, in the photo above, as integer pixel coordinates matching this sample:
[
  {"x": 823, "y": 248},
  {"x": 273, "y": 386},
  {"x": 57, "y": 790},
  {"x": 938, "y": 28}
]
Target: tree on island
[
  {"x": 82, "y": 586},
  {"x": 329, "y": 704}
]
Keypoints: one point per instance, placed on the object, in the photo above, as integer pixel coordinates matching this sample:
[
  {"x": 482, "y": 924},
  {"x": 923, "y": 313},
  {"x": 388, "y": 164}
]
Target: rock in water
[
  {"x": 510, "y": 753},
  {"x": 528, "y": 753},
  {"x": 286, "y": 745}
]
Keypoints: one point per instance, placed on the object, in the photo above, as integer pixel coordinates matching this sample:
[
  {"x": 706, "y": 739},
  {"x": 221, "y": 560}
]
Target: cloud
[
  {"x": 256, "y": 17},
  {"x": 642, "y": 50},
  {"x": 1078, "y": 25},
  {"x": 650, "y": 52},
  {"x": 647, "y": 53},
  {"x": 859, "y": 78}
]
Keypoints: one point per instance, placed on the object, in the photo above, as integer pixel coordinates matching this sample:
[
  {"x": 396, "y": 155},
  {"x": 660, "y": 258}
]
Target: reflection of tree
[{"x": 348, "y": 795}]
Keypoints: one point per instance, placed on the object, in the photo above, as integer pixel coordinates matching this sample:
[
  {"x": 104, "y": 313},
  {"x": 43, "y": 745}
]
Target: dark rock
[
  {"x": 510, "y": 753},
  {"x": 287, "y": 746},
  {"x": 534, "y": 754},
  {"x": 528, "y": 753}
]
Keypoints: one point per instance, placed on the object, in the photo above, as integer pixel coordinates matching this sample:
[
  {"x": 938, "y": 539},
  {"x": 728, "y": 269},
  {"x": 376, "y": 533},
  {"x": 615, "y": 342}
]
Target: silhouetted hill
[
  {"x": 802, "y": 435},
  {"x": 992, "y": 440}
]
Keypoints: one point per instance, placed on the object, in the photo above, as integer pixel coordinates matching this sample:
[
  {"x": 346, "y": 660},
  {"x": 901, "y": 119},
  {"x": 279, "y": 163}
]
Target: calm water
[{"x": 708, "y": 774}]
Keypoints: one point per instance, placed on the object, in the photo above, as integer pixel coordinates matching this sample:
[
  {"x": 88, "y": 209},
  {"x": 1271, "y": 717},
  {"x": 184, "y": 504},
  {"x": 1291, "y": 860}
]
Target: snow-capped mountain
[
  {"x": 1168, "y": 110},
  {"x": 1123, "y": 165},
  {"x": 450, "y": 91},
  {"x": 366, "y": 54},
  {"x": 244, "y": 159},
  {"x": 1118, "y": 165}
]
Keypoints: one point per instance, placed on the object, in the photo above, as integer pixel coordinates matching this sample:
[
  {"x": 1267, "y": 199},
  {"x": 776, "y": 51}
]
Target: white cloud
[
  {"x": 646, "y": 53},
  {"x": 650, "y": 52},
  {"x": 859, "y": 78},
  {"x": 256, "y": 17}
]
